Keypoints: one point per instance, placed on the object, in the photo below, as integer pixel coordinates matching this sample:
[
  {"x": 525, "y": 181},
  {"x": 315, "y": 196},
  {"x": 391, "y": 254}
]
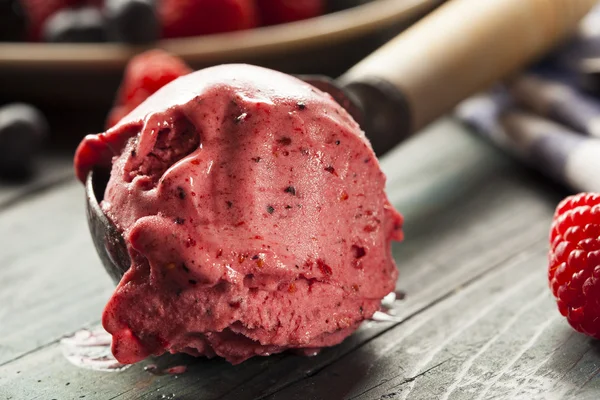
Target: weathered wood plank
[
  {"x": 53, "y": 168},
  {"x": 440, "y": 170},
  {"x": 52, "y": 282}
]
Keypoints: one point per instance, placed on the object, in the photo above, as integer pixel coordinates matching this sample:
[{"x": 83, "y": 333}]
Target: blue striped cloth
[{"x": 544, "y": 117}]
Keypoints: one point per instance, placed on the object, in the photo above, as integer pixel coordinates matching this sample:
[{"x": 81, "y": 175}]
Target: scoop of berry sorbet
[{"x": 254, "y": 212}]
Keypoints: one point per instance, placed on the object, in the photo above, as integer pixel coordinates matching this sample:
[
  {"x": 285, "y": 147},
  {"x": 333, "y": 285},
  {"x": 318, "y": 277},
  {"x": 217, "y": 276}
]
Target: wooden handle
[{"x": 463, "y": 47}]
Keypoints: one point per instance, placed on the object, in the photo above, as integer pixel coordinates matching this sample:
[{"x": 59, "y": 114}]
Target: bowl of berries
[{"x": 75, "y": 51}]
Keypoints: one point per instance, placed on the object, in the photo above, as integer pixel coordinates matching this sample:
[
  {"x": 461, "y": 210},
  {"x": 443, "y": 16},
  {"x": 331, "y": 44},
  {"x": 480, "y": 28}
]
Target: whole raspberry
[
  {"x": 144, "y": 75},
  {"x": 202, "y": 17},
  {"x": 574, "y": 261}
]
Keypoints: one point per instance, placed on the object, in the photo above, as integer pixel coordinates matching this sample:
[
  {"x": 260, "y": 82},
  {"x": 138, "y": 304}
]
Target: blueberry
[
  {"x": 22, "y": 131},
  {"x": 132, "y": 21},
  {"x": 78, "y": 25},
  {"x": 13, "y": 23}
]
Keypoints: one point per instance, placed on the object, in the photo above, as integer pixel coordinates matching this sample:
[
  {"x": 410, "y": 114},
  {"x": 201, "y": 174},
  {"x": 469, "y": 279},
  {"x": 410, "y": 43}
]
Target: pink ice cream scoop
[
  {"x": 245, "y": 212},
  {"x": 254, "y": 213}
]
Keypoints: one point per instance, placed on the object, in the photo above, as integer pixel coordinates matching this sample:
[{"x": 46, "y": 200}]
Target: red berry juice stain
[{"x": 155, "y": 370}]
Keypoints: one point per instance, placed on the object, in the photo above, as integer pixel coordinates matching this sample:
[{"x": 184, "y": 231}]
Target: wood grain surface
[{"x": 477, "y": 321}]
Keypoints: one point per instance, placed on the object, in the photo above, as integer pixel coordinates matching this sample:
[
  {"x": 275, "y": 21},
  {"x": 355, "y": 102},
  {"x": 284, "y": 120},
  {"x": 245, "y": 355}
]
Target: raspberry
[
  {"x": 201, "y": 17},
  {"x": 144, "y": 75},
  {"x": 280, "y": 11},
  {"x": 148, "y": 72},
  {"x": 574, "y": 261}
]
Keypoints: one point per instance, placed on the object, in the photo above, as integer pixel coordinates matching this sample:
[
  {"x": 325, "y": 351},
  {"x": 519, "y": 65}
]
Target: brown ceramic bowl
[{"x": 87, "y": 75}]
